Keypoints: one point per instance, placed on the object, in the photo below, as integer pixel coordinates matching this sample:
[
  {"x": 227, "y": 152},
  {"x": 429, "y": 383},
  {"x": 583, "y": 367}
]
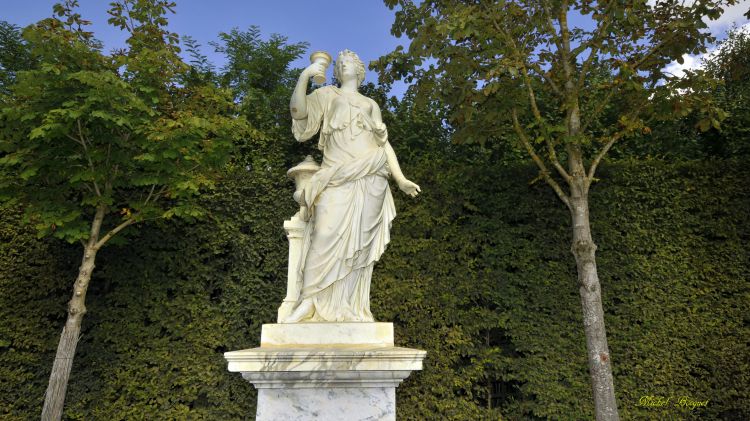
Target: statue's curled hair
[{"x": 360, "y": 66}]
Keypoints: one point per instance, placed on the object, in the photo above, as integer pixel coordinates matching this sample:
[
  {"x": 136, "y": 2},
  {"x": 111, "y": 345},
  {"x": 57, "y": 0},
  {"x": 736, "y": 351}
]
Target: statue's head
[{"x": 353, "y": 58}]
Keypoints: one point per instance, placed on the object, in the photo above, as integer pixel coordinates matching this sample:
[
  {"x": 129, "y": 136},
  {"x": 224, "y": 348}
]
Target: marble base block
[
  {"x": 309, "y": 334},
  {"x": 342, "y": 404},
  {"x": 326, "y": 371}
]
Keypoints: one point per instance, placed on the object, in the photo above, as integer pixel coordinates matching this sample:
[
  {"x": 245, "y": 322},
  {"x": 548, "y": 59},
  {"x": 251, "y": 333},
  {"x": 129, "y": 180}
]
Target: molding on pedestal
[
  {"x": 317, "y": 379},
  {"x": 330, "y": 360}
]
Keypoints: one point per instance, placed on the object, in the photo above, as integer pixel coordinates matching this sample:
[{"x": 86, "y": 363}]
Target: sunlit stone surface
[
  {"x": 326, "y": 371},
  {"x": 345, "y": 404}
]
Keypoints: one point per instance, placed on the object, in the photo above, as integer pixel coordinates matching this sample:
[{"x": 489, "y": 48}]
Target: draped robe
[{"x": 350, "y": 204}]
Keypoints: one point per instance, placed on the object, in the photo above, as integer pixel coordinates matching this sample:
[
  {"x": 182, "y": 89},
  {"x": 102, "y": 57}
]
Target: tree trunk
[
  {"x": 58, "y": 379},
  {"x": 584, "y": 250}
]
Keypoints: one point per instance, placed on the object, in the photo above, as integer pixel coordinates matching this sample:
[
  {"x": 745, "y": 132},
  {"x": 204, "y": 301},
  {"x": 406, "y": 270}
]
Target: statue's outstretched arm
[{"x": 408, "y": 187}]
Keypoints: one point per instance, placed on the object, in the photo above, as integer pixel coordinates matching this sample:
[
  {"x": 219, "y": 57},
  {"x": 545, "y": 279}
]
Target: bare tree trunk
[
  {"x": 54, "y": 399},
  {"x": 584, "y": 250}
]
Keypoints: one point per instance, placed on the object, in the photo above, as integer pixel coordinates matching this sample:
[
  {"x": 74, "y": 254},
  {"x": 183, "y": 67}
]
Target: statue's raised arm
[{"x": 298, "y": 103}]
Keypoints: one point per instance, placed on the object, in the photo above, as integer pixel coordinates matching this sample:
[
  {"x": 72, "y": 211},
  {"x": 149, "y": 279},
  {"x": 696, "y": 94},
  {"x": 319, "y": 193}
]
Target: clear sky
[
  {"x": 362, "y": 26},
  {"x": 330, "y": 25}
]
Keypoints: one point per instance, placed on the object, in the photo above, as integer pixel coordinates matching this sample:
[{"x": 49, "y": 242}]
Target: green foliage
[
  {"x": 201, "y": 289},
  {"x": 478, "y": 274},
  {"x": 482, "y": 281},
  {"x": 731, "y": 66},
  {"x": 682, "y": 235},
  {"x": 258, "y": 72},
  {"x": 93, "y": 143},
  {"x": 125, "y": 132},
  {"x": 579, "y": 76},
  {"x": 14, "y": 55},
  {"x": 34, "y": 277},
  {"x": 160, "y": 315},
  {"x": 565, "y": 81},
  {"x": 684, "y": 138}
]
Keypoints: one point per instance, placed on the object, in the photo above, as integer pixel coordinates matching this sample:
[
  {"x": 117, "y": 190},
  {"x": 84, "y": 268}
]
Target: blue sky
[
  {"x": 330, "y": 25},
  {"x": 362, "y": 26}
]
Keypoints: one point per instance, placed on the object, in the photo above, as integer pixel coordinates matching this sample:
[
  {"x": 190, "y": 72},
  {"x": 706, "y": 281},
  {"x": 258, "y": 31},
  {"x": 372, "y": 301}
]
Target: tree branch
[
  {"x": 552, "y": 84},
  {"x": 88, "y": 157},
  {"x": 653, "y": 50},
  {"x": 604, "y": 25},
  {"x": 565, "y": 47},
  {"x": 538, "y": 116},
  {"x": 522, "y": 57},
  {"x": 556, "y": 162},
  {"x": 113, "y": 232},
  {"x": 532, "y": 99},
  {"x": 538, "y": 161},
  {"x": 76, "y": 140},
  {"x": 599, "y": 108},
  {"x": 156, "y": 196},
  {"x": 595, "y": 163},
  {"x": 635, "y": 66},
  {"x": 617, "y": 136},
  {"x": 150, "y": 193},
  {"x": 550, "y": 23}
]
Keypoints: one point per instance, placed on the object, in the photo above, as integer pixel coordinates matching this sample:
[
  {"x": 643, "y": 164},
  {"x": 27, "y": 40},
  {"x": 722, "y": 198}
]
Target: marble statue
[{"x": 347, "y": 202}]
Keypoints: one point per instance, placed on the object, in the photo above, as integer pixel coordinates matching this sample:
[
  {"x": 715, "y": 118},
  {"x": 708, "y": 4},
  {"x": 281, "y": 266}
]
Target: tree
[
  {"x": 93, "y": 143},
  {"x": 14, "y": 55},
  {"x": 731, "y": 65},
  {"x": 565, "y": 80},
  {"x": 693, "y": 136},
  {"x": 259, "y": 74}
]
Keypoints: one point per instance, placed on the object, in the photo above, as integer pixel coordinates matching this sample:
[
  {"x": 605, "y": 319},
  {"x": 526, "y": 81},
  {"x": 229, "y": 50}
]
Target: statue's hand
[
  {"x": 313, "y": 69},
  {"x": 411, "y": 189}
]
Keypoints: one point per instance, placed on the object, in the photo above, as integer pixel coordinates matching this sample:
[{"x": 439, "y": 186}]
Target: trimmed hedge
[{"x": 479, "y": 274}]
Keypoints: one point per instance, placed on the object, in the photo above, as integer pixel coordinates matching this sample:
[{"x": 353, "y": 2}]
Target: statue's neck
[{"x": 349, "y": 86}]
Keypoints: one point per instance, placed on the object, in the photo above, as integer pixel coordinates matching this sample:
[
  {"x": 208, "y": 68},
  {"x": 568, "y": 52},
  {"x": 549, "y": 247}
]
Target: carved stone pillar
[{"x": 295, "y": 229}]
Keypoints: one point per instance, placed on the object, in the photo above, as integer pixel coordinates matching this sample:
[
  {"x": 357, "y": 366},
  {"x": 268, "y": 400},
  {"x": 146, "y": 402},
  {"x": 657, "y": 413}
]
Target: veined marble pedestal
[{"x": 326, "y": 371}]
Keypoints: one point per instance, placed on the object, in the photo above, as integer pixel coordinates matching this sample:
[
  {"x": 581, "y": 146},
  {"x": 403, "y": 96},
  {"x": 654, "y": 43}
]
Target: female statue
[{"x": 349, "y": 202}]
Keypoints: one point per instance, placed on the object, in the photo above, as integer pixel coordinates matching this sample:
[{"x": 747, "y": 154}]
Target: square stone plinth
[
  {"x": 326, "y": 371},
  {"x": 313, "y": 334},
  {"x": 340, "y": 404}
]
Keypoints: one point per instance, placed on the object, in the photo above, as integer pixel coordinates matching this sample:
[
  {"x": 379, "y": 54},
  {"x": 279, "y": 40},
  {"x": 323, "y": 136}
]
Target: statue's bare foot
[{"x": 303, "y": 311}]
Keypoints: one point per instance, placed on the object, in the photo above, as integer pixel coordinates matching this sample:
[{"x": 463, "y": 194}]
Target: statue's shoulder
[
  {"x": 327, "y": 92},
  {"x": 373, "y": 102},
  {"x": 323, "y": 97}
]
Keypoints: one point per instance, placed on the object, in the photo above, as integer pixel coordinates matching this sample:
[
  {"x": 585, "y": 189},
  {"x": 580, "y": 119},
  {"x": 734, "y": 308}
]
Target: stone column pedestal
[
  {"x": 326, "y": 371},
  {"x": 295, "y": 230}
]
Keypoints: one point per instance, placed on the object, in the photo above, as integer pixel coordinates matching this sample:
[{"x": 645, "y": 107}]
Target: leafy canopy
[
  {"x": 564, "y": 80},
  {"x": 14, "y": 55},
  {"x": 126, "y": 133}
]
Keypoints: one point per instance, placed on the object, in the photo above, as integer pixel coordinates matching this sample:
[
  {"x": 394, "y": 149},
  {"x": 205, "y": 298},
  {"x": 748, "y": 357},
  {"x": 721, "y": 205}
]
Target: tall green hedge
[
  {"x": 479, "y": 274},
  {"x": 33, "y": 275}
]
